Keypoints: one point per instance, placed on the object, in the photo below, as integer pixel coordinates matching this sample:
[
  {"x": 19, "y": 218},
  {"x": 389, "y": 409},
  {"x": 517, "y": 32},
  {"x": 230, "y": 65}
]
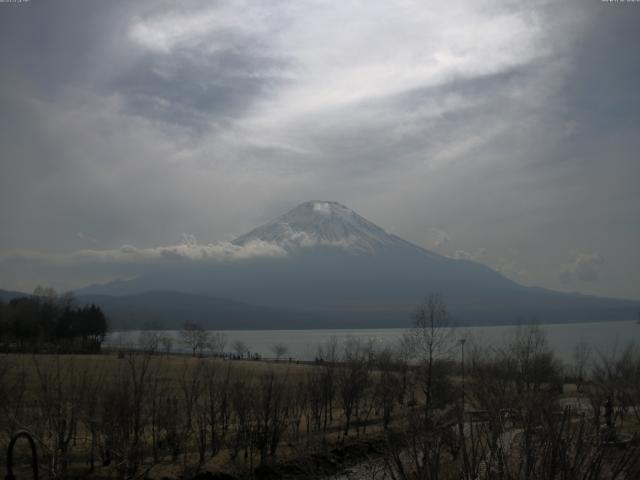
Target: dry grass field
[
  {"x": 168, "y": 415},
  {"x": 139, "y": 414}
]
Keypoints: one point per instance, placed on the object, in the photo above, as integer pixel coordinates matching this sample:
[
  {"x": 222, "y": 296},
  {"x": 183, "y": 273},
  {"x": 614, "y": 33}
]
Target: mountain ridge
[{"x": 340, "y": 267}]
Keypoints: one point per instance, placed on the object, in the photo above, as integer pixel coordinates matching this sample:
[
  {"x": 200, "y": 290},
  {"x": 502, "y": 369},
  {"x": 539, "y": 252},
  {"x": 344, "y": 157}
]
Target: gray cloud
[
  {"x": 188, "y": 250},
  {"x": 502, "y": 124},
  {"x": 583, "y": 267},
  {"x": 81, "y": 267}
]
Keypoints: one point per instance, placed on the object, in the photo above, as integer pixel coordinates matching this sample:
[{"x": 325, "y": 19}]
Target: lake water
[{"x": 303, "y": 344}]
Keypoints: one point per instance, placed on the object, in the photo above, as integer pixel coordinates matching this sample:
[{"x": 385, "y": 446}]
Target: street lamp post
[{"x": 462, "y": 342}]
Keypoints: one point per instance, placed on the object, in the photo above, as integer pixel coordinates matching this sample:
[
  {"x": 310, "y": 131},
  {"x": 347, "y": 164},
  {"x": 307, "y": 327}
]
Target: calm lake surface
[{"x": 303, "y": 344}]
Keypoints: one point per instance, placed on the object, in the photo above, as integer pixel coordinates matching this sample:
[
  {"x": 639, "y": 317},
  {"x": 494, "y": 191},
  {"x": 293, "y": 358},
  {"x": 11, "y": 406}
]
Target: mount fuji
[{"x": 337, "y": 269}]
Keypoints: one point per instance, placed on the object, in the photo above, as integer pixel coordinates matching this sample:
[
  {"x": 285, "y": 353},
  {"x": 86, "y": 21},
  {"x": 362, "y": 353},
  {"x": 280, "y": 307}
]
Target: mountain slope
[
  {"x": 8, "y": 295},
  {"x": 341, "y": 269},
  {"x": 170, "y": 310}
]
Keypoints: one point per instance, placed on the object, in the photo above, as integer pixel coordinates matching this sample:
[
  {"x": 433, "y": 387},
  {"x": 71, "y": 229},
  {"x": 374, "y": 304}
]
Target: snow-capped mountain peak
[{"x": 321, "y": 223}]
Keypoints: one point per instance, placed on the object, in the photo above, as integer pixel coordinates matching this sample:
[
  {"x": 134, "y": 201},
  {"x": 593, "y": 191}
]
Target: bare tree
[
  {"x": 240, "y": 348},
  {"x": 158, "y": 391},
  {"x": 581, "y": 356},
  {"x": 218, "y": 342},
  {"x": 614, "y": 378},
  {"x": 328, "y": 357},
  {"x": 166, "y": 342},
  {"x": 195, "y": 337},
  {"x": 314, "y": 386},
  {"x": 430, "y": 340},
  {"x": 353, "y": 379},
  {"x": 271, "y": 413},
  {"x": 279, "y": 350},
  {"x": 59, "y": 391},
  {"x": 299, "y": 397},
  {"x": 242, "y": 395},
  {"x": 387, "y": 384},
  {"x": 149, "y": 341},
  {"x": 191, "y": 404},
  {"x": 217, "y": 415},
  {"x": 89, "y": 416},
  {"x": 13, "y": 391},
  {"x": 123, "y": 414}
]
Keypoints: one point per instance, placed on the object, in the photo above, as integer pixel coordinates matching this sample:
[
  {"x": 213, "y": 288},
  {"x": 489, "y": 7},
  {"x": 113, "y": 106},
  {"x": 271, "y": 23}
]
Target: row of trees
[
  {"x": 200, "y": 342},
  {"x": 130, "y": 414},
  {"x": 510, "y": 419},
  {"x": 193, "y": 336},
  {"x": 47, "y": 321}
]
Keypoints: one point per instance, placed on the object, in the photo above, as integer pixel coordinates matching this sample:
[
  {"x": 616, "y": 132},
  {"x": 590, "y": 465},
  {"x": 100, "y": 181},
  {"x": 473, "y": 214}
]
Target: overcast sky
[{"x": 502, "y": 131}]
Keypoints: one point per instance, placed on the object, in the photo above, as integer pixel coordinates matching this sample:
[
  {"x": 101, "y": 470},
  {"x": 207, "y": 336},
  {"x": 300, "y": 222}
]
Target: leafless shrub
[
  {"x": 59, "y": 391},
  {"x": 123, "y": 415}
]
